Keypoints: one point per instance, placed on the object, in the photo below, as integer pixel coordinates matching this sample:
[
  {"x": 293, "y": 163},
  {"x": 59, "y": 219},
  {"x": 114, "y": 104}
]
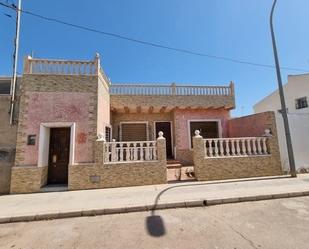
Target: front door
[
  {"x": 59, "y": 154},
  {"x": 165, "y": 127}
]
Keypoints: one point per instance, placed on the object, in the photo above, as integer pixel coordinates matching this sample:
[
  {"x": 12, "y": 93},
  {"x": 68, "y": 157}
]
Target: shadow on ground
[{"x": 155, "y": 223}]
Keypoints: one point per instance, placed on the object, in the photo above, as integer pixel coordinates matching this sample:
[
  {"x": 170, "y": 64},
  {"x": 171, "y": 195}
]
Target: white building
[{"x": 296, "y": 93}]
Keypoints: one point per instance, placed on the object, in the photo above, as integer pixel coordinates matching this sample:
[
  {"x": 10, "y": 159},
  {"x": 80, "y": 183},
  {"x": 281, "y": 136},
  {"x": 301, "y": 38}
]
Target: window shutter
[{"x": 134, "y": 132}]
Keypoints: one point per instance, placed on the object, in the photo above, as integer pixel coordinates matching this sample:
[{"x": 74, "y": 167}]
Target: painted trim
[
  {"x": 133, "y": 122},
  {"x": 203, "y": 120},
  {"x": 172, "y": 135},
  {"x": 44, "y": 137}
]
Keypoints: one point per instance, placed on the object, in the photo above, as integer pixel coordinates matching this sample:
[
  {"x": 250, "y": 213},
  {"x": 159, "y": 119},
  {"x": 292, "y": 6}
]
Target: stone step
[
  {"x": 171, "y": 161},
  {"x": 183, "y": 173},
  {"x": 174, "y": 166}
]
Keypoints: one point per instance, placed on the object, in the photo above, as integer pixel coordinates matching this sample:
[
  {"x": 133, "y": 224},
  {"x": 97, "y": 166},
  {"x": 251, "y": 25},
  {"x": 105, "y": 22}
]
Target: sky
[{"x": 231, "y": 28}]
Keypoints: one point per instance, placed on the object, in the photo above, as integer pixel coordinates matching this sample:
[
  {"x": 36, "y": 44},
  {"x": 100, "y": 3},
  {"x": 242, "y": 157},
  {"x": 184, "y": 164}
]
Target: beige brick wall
[
  {"x": 27, "y": 179},
  {"x": 8, "y": 132},
  {"x": 184, "y": 156},
  {"x": 7, "y": 140},
  {"x": 105, "y": 175},
  {"x": 80, "y": 176},
  {"x": 5, "y": 176},
  {"x": 236, "y": 167},
  {"x": 173, "y": 100}
]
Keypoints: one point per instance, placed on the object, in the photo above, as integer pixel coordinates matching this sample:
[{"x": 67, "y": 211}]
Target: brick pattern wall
[
  {"x": 26, "y": 176},
  {"x": 105, "y": 175},
  {"x": 240, "y": 167},
  {"x": 27, "y": 179},
  {"x": 185, "y": 157},
  {"x": 194, "y": 101},
  {"x": 53, "y": 84},
  {"x": 7, "y": 140}
]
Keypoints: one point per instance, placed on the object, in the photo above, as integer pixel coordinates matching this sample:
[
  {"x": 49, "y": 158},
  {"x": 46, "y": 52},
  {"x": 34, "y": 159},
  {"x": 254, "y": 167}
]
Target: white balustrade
[
  {"x": 43, "y": 66},
  {"x": 130, "y": 151},
  {"x": 235, "y": 147},
  {"x": 130, "y": 89}
]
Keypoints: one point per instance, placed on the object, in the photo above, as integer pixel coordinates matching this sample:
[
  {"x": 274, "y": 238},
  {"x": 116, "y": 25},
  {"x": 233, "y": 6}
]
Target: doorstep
[{"x": 54, "y": 188}]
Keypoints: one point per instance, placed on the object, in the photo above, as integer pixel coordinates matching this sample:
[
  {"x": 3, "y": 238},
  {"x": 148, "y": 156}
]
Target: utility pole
[
  {"x": 281, "y": 93},
  {"x": 16, "y": 45}
]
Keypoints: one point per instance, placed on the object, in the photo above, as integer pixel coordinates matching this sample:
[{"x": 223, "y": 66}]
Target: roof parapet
[{"x": 61, "y": 67}]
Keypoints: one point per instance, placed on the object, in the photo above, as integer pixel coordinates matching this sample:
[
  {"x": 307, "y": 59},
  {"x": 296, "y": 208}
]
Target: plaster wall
[
  {"x": 252, "y": 125},
  {"x": 46, "y": 107},
  {"x": 181, "y": 129},
  {"x": 103, "y": 106},
  {"x": 297, "y": 87},
  {"x": 299, "y": 127},
  {"x": 181, "y": 118}
]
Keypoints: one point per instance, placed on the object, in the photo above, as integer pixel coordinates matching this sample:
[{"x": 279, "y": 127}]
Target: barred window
[
  {"x": 108, "y": 134},
  {"x": 301, "y": 103}
]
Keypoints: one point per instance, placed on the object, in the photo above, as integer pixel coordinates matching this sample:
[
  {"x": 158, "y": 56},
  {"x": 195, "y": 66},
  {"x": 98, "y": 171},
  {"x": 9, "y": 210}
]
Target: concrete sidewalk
[{"x": 39, "y": 206}]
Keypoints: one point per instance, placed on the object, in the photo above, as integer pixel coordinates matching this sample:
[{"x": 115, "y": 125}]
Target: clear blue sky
[{"x": 231, "y": 28}]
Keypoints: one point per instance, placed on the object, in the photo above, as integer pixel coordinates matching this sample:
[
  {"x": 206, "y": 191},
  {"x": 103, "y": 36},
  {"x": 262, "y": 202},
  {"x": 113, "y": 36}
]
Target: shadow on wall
[{"x": 6, "y": 162}]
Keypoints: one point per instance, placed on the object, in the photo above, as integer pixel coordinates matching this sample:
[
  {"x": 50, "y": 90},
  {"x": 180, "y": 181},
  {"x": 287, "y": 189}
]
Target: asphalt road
[{"x": 282, "y": 223}]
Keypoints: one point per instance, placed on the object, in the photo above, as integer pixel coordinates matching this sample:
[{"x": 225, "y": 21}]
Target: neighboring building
[
  {"x": 7, "y": 133},
  {"x": 296, "y": 93},
  {"x": 78, "y": 129}
]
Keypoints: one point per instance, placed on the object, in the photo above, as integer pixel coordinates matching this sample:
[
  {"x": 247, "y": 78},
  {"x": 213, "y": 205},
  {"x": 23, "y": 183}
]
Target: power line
[{"x": 147, "y": 43}]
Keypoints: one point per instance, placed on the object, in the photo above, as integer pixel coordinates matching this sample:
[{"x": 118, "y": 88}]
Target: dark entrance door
[
  {"x": 166, "y": 128},
  {"x": 59, "y": 154}
]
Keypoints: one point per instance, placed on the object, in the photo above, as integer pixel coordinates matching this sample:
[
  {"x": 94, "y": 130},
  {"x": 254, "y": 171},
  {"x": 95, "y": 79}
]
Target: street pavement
[
  {"x": 271, "y": 224},
  {"x": 38, "y": 206}
]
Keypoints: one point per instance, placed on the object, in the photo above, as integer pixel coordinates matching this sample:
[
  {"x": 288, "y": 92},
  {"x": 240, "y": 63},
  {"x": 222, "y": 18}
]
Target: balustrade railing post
[
  {"x": 100, "y": 150},
  {"x": 96, "y": 63},
  {"x": 232, "y": 88},
  {"x": 198, "y": 153},
  {"x": 113, "y": 151},
  {"x": 173, "y": 88},
  {"x": 161, "y": 148}
]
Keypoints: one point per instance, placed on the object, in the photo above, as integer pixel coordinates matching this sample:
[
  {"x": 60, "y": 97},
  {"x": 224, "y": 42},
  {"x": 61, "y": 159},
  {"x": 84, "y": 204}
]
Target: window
[
  {"x": 208, "y": 129},
  {"x": 5, "y": 87},
  {"x": 108, "y": 134},
  {"x": 133, "y": 132},
  {"x": 301, "y": 103}
]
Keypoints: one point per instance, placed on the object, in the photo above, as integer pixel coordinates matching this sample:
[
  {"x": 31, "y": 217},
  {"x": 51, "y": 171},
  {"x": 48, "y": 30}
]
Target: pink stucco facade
[
  {"x": 182, "y": 117},
  {"x": 251, "y": 126},
  {"x": 44, "y": 107}
]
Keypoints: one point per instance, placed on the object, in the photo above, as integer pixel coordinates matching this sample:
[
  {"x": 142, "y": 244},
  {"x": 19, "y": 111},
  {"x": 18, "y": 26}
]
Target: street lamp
[{"x": 281, "y": 94}]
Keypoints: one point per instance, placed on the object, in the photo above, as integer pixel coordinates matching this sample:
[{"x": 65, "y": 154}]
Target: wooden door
[
  {"x": 165, "y": 127},
  {"x": 59, "y": 155}
]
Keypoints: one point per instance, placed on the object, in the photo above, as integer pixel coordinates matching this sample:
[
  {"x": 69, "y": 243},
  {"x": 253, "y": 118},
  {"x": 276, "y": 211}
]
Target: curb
[{"x": 153, "y": 207}]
